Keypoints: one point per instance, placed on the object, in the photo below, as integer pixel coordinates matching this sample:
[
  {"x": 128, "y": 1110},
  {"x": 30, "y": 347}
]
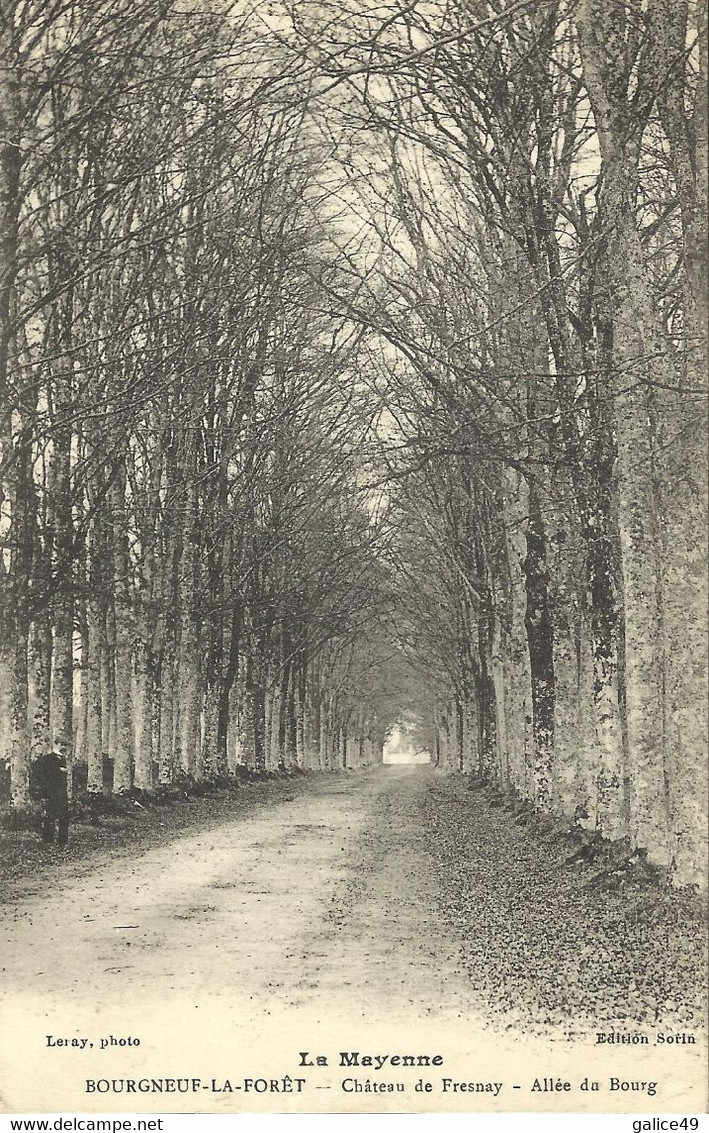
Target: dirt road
[
  {"x": 314, "y": 895},
  {"x": 316, "y": 924}
]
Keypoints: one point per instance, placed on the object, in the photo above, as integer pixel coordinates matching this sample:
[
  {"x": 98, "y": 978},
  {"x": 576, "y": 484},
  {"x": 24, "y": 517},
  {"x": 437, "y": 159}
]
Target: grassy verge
[{"x": 560, "y": 930}]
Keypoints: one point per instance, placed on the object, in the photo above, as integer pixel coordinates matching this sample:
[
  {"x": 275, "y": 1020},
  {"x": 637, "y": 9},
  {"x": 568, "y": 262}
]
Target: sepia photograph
[{"x": 353, "y": 557}]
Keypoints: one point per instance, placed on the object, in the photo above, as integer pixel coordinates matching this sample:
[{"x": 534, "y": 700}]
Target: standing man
[{"x": 49, "y": 787}]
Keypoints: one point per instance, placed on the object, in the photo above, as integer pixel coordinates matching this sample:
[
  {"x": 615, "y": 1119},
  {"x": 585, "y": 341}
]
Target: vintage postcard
[{"x": 353, "y": 556}]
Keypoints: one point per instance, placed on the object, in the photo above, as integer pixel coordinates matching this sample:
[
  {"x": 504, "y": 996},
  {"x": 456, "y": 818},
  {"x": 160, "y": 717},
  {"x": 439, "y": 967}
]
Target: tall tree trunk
[
  {"x": 123, "y": 754},
  {"x": 684, "y": 449},
  {"x": 10, "y": 618},
  {"x": 63, "y": 603},
  {"x": 189, "y": 676},
  {"x": 634, "y": 351},
  {"x": 94, "y": 706},
  {"x": 143, "y": 709},
  {"x": 40, "y": 668},
  {"x": 21, "y": 499},
  {"x": 108, "y": 680},
  {"x": 540, "y": 643}
]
